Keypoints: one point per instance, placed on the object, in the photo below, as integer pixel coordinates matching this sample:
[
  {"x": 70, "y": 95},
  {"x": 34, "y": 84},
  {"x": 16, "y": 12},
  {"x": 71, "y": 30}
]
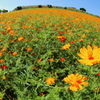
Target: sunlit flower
[
  {"x": 50, "y": 80},
  {"x": 66, "y": 46},
  {"x": 76, "y": 81},
  {"x": 89, "y": 56}
]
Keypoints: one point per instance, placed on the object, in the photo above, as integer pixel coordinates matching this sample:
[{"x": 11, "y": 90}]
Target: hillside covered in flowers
[{"x": 49, "y": 54}]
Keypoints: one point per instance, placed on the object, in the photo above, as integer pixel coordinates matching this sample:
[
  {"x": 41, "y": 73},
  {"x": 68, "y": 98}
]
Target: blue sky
[{"x": 91, "y": 6}]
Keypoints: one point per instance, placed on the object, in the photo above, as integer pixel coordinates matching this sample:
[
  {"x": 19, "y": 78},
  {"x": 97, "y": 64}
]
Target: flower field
[{"x": 49, "y": 54}]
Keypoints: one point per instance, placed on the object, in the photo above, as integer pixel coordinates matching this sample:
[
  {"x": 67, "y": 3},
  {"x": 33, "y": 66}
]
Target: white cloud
[{"x": 0, "y": 7}]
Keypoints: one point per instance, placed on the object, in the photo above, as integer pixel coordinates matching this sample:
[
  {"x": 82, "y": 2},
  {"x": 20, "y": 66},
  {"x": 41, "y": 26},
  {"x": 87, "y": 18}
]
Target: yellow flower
[
  {"x": 76, "y": 81},
  {"x": 80, "y": 39},
  {"x": 84, "y": 35},
  {"x": 3, "y": 77},
  {"x": 66, "y": 46},
  {"x": 50, "y": 80},
  {"x": 89, "y": 56}
]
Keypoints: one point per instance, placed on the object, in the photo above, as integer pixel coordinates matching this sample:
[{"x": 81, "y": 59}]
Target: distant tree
[
  {"x": 0, "y": 10},
  {"x": 83, "y": 9},
  {"x": 4, "y": 10},
  {"x": 19, "y": 8},
  {"x": 49, "y": 6},
  {"x": 65, "y": 7},
  {"x": 40, "y": 6}
]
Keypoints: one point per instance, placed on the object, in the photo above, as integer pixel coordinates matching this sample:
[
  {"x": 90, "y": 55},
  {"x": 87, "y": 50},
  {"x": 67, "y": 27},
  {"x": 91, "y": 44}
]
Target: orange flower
[
  {"x": 63, "y": 38},
  {"x": 39, "y": 60},
  {"x": 60, "y": 32},
  {"x": 36, "y": 39},
  {"x": 0, "y": 47},
  {"x": 38, "y": 29},
  {"x": 1, "y": 53},
  {"x": 76, "y": 81},
  {"x": 72, "y": 41},
  {"x": 99, "y": 74},
  {"x": 41, "y": 94},
  {"x": 1, "y": 60},
  {"x": 87, "y": 31},
  {"x": 24, "y": 26},
  {"x": 62, "y": 59},
  {"x": 9, "y": 28},
  {"x": 3, "y": 50},
  {"x": 50, "y": 80},
  {"x": 29, "y": 49},
  {"x": 51, "y": 59},
  {"x": 3, "y": 77},
  {"x": 14, "y": 53},
  {"x": 3, "y": 32},
  {"x": 32, "y": 35},
  {"x": 12, "y": 41},
  {"x": 66, "y": 46},
  {"x": 20, "y": 38},
  {"x": 1, "y": 39}
]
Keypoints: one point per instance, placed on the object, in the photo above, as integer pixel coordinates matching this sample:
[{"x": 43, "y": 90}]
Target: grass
[{"x": 31, "y": 51}]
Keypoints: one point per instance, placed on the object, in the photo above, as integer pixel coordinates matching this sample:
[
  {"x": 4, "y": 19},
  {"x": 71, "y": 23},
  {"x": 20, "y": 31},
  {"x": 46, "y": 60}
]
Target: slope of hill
[
  {"x": 49, "y": 54},
  {"x": 50, "y": 6}
]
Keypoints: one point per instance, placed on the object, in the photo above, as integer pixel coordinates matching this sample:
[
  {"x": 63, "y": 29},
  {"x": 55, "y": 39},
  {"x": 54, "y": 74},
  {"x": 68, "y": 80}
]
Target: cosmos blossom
[
  {"x": 76, "y": 80},
  {"x": 50, "y": 80},
  {"x": 89, "y": 56},
  {"x": 66, "y": 46}
]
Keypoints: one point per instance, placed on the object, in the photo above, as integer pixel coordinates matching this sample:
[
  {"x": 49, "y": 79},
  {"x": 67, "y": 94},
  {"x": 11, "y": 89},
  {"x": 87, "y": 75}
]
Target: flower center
[
  {"x": 90, "y": 55},
  {"x": 91, "y": 58}
]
